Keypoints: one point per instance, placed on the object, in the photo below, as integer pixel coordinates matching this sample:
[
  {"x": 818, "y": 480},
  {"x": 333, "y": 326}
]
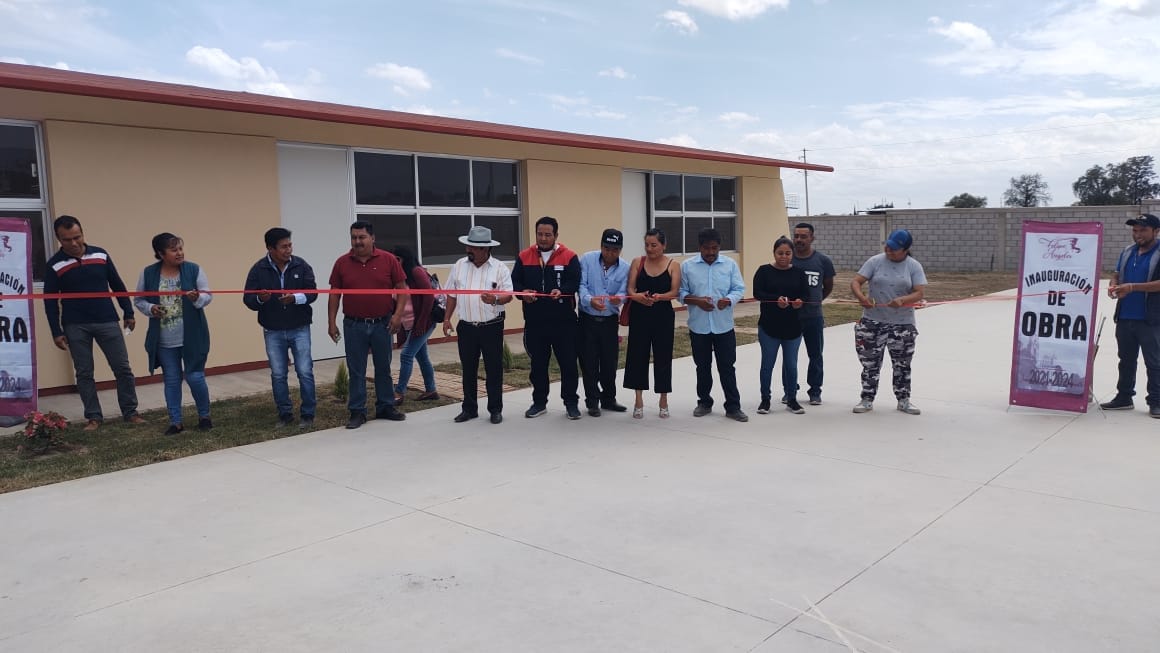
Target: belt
[
  {"x": 599, "y": 318},
  {"x": 363, "y": 320},
  {"x": 494, "y": 320}
]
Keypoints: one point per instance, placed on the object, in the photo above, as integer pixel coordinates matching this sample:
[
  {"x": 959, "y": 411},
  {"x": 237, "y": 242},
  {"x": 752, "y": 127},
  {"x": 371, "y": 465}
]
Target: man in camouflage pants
[{"x": 897, "y": 283}]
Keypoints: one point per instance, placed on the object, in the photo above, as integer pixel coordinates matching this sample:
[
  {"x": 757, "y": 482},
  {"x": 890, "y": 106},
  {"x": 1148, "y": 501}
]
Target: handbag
[{"x": 628, "y": 302}]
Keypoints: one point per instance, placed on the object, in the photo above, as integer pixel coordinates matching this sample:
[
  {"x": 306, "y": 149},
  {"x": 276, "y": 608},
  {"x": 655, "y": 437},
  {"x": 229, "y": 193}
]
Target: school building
[{"x": 133, "y": 158}]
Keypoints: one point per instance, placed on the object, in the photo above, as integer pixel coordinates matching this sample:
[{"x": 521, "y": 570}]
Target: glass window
[
  {"x": 495, "y": 184},
  {"x": 19, "y": 168},
  {"x": 667, "y": 192},
  {"x": 674, "y": 233},
  {"x": 443, "y": 181},
  {"x": 506, "y": 230},
  {"x": 391, "y": 229},
  {"x": 384, "y": 179},
  {"x": 36, "y": 220},
  {"x": 728, "y": 229},
  {"x": 697, "y": 191},
  {"x": 724, "y": 195},
  {"x": 440, "y": 238},
  {"x": 693, "y": 227}
]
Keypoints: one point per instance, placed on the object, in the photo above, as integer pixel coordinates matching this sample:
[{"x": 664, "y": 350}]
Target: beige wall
[
  {"x": 129, "y": 170},
  {"x": 218, "y": 192}
]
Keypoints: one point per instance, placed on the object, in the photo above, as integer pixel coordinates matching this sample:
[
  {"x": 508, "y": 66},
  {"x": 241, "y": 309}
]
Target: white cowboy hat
[{"x": 479, "y": 237}]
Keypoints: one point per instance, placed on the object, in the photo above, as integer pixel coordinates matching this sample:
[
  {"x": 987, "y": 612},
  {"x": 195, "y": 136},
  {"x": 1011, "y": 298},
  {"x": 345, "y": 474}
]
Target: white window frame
[
  {"x": 711, "y": 214},
  {"x": 41, "y": 204},
  {"x": 418, "y": 210}
]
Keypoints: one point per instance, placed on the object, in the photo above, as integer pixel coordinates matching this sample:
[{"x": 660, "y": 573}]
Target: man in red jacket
[{"x": 553, "y": 271}]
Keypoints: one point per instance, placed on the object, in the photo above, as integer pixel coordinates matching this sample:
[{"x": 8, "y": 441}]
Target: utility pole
[{"x": 806, "y": 176}]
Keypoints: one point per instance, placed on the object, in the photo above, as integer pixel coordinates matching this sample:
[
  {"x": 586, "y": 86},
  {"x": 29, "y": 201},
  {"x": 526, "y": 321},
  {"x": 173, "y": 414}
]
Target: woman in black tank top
[{"x": 654, "y": 281}]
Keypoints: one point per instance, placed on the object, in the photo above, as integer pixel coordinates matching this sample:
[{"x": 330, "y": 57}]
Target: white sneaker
[
  {"x": 905, "y": 406},
  {"x": 864, "y": 406}
]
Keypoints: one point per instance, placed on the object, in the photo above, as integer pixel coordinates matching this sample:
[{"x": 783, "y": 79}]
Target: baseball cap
[
  {"x": 612, "y": 238},
  {"x": 899, "y": 239},
  {"x": 1146, "y": 220}
]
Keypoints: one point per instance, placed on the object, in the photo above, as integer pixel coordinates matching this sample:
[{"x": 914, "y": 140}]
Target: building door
[
  {"x": 633, "y": 212},
  {"x": 314, "y": 191}
]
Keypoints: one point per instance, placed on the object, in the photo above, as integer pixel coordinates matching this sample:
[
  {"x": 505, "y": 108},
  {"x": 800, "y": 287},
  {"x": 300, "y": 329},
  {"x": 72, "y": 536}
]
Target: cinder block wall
[{"x": 963, "y": 240}]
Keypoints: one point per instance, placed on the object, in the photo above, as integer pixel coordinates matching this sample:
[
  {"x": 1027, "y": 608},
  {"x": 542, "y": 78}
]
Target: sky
[{"x": 911, "y": 102}]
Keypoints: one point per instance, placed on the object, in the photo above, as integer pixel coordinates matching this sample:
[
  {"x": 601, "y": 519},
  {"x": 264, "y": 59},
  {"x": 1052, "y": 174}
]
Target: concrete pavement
[{"x": 969, "y": 528}]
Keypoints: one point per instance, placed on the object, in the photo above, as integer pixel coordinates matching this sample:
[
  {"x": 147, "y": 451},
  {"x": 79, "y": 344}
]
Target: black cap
[
  {"x": 612, "y": 238},
  {"x": 1146, "y": 220}
]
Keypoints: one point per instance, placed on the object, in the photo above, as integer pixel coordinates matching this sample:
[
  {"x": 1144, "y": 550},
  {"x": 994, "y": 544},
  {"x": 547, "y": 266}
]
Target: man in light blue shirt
[
  {"x": 603, "y": 283},
  {"x": 711, "y": 285}
]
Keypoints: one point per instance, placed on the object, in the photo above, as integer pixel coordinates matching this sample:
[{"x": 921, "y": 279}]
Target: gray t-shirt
[
  {"x": 887, "y": 281},
  {"x": 818, "y": 267}
]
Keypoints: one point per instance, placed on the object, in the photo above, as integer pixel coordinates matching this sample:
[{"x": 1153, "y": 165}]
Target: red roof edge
[{"x": 52, "y": 80}]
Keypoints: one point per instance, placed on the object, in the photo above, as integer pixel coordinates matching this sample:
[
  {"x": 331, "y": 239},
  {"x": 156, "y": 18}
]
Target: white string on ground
[
  {"x": 805, "y": 613},
  {"x": 829, "y": 623}
]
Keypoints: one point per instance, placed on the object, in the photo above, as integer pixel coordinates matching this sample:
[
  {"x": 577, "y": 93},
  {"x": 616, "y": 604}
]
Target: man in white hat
[{"x": 481, "y": 317}]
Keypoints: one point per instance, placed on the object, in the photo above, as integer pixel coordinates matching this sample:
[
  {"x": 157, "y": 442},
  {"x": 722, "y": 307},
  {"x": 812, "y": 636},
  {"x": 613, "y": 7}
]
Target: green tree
[
  {"x": 967, "y": 201},
  {"x": 1027, "y": 190},
  {"x": 1128, "y": 182}
]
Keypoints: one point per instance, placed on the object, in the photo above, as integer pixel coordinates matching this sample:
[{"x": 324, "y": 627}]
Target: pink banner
[
  {"x": 17, "y": 340},
  {"x": 1055, "y": 318}
]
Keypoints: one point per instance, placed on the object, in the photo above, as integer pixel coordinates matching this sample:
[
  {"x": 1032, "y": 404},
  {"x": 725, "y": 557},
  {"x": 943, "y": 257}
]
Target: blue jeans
[
  {"x": 361, "y": 336},
  {"x": 415, "y": 349},
  {"x": 789, "y": 374},
  {"x": 279, "y": 346},
  {"x": 171, "y": 374},
  {"x": 813, "y": 330}
]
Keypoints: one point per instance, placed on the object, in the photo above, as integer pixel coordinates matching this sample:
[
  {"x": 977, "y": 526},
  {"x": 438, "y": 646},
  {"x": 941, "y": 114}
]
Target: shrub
[{"x": 342, "y": 382}]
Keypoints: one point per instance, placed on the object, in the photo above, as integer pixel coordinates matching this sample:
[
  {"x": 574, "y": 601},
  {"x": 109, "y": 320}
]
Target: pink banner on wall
[
  {"x": 17, "y": 339},
  {"x": 1055, "y": 318}
]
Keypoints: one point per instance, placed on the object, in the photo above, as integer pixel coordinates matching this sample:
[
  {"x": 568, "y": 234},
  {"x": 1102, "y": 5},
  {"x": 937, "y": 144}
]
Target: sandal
[
  {"x": 638, "y": 412},
  {"x": 664, "y": 413}
]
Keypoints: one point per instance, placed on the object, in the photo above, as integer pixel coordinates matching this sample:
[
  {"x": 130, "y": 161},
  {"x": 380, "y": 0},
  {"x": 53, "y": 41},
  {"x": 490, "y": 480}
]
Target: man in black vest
[{"x": 1137, "y": 314}]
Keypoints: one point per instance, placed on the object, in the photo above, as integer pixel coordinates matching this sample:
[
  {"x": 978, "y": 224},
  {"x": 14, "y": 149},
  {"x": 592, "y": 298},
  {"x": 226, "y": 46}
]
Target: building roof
[{"x": 52, "y": 80}]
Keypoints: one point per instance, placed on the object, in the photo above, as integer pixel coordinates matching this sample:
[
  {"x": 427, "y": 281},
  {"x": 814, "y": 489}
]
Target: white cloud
[
  {"x": 280, "y": 46},
  {"x": 609, "y": 115},
  {"x": 406, "y": 78},
  {"x": 681, "y": 140},
  {"x": 617, "y": 72},
  {"x": 737, "y": 118},
  {"x": 519, "y": 56},
  {"x": 1112, "y": 40},
  {"x": 71, "y": 28},
  {"x": 734, "y": 9},
  {"x": 680, "y": 21},
  {"x": 18, "y": 60},
  {"x": 247, "y": 71}
]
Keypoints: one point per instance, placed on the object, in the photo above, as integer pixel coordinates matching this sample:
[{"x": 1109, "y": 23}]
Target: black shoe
[
  {"x": 1119, "y": 402},
  {"x": 204, "y": 424},
  {"x": 174, "y": 429},
  {"x": 1154, "y": 411},
  {"x": 496, "y": 418},
  {"x": 535, "y": 411},
  {"x": 463, "y": 416},
  {"x": 816, "y": 400},
  {"x": 794, "y": 407},
  {"x": 702, "y": 410},
  {"x": 594, "y": 411},
  {"x": 356, "y": 420},
  {"x": 307, "y": 422},
  {"x": 738, "y": 416},
  {"x": 573, "y": 412},
  {"x": 613, "y": 406},
  {"x": 285, "y": 420},
  {"x": 763, "y": 407},
  {"x": 391, "y": 413}
]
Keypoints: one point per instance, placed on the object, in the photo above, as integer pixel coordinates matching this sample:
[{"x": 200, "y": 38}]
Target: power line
[{"x": 969, "y": 163}]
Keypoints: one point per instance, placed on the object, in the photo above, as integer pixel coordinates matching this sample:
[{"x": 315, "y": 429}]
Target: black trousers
[
  {"x": 1134, "y": 337},
  {"x": 541, "y": 340},
  {"x": 488, "y": 341},
  {"x": 599, "y": 351},
  {"x": 723, "y": 347}
]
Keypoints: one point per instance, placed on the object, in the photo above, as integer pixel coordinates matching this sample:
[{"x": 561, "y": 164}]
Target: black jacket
[
  {"x": 562, "y": 271},
  {"x": 273, "y": 314}
]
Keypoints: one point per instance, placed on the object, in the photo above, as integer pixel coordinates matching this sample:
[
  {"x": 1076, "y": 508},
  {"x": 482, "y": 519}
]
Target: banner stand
[{"x": 17, "y": 337}]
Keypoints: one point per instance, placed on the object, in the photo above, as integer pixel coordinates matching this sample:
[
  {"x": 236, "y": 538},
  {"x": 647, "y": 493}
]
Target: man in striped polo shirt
[{"x": 75, "y": 323}]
